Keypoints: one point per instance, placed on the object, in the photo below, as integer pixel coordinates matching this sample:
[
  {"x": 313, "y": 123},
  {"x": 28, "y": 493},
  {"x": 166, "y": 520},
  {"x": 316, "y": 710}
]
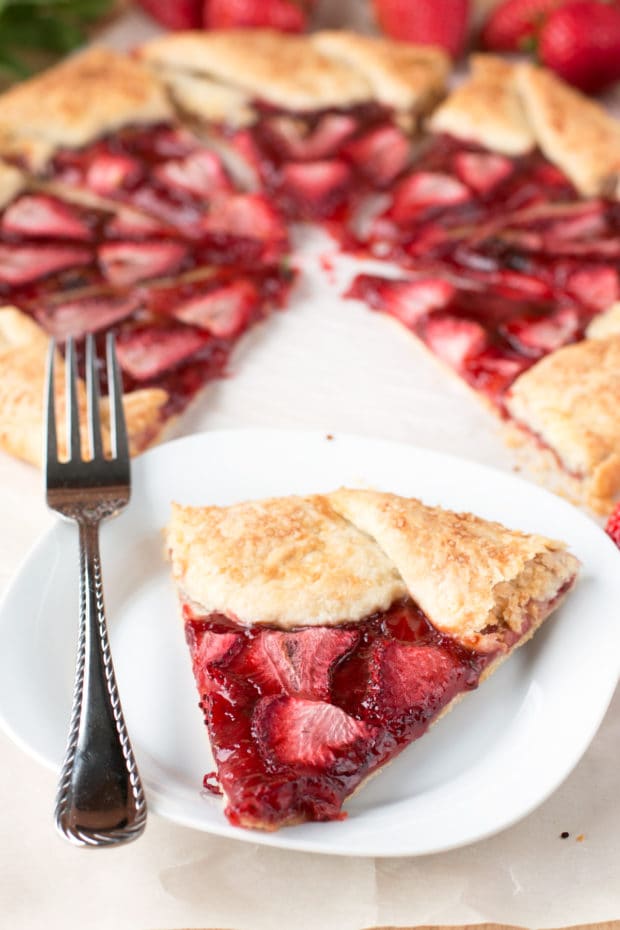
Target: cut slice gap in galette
[{"x": 328, "y": 632}]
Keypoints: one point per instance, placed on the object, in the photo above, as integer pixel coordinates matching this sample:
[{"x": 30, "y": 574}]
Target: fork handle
[{"x": 100, "y": 800}]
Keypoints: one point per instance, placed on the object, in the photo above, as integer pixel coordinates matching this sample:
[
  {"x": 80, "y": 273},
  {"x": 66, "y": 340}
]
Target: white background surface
[{"x": 329, "y": 365}]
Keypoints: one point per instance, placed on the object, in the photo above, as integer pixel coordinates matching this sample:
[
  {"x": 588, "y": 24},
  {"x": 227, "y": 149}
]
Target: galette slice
[{"x": 327, "y": 633}]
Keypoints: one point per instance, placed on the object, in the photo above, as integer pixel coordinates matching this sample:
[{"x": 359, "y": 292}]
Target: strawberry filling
[{"x": 299, "y": 719}]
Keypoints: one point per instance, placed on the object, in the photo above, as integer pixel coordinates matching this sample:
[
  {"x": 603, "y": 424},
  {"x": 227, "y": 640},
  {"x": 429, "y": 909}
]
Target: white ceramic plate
[{"x": 498, "y": 755}]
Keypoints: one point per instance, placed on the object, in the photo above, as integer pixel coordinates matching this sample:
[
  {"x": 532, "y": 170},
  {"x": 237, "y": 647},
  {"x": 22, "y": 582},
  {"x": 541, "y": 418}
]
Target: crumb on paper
[
  {"x": 564, "y": 835},
  {"x": 580, "y": 838},
  {"x": 329, "y": 436}
]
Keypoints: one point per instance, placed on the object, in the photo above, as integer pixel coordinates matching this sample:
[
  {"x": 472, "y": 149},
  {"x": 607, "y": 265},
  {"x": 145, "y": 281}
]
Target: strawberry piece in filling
[{"x": 298, "y": 719}]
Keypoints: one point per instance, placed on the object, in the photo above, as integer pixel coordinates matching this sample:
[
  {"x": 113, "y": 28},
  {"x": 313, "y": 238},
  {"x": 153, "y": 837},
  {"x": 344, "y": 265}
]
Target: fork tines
[{"x": 118, "y": 432}]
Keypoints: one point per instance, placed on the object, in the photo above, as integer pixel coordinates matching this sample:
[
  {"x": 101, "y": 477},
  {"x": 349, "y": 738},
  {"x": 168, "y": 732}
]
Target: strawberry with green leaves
[{"x": 513, "y": 24}]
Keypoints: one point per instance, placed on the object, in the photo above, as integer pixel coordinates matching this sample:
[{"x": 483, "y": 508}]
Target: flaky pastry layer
[
  {"x": 82, "y": 98},
  {"x": 338, "y": 558},
  {"x": 23, "y": 355},
  {"x": 570, "y": 400}
]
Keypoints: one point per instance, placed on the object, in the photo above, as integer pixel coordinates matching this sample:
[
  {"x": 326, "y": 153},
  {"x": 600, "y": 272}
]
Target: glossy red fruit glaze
[
  {"x": 299, "y": 719},
  {"x": 613, "y": 526},
  {"x": 488, "y": 337}
]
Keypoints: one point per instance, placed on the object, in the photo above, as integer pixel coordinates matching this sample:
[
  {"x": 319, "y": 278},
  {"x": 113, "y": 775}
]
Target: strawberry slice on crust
[
  {"x": 244, "y": 224},
  {"x": 537, "y": 336},
  {"x": 411, "y": 682},
  {"x": 108, "y": 173},
  {"x": 482, "y": 171},
  {"x": 314, "y": 189},
  {"x": 454, "y": 340},
  {"x": 597, "y": 287},
  {"x": 125, "y": 263},
  {"x": 89, "y": 315},
  {"x": 144, "y": 354},
  {"x": 380, "y": 155},
  {"x": 426, "y": 190},
  {"x": 21, "y": 264},
  {"x": 224, "y": 311},
  {"x": 290, "y": 139},
  {"x": 295, "y": 731},
  {"x": 408, "y": 301},
  {"x": 299, "y": 664},
  {"x": 43, "y": 216},
  {"x": 200, "y": 173}
]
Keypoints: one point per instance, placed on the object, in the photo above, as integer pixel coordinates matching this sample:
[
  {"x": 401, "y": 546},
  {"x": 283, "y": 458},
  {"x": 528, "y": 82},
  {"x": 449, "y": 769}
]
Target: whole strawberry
[
  {"x": 286, "y": 15},
  {"x": 613, "y": 526},
  {"x": 182, "y": 14},
  {"x": 425, "y": 22},
  {"x": 580, "y": 41},
  {"x": 513, "y": 24}
]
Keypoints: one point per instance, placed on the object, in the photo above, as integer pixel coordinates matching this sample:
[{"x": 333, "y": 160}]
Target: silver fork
[{"x": 100, "y": 800}]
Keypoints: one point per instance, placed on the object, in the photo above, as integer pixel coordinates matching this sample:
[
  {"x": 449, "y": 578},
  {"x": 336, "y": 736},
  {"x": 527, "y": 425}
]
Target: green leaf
[{"x": 30, "y": 28}]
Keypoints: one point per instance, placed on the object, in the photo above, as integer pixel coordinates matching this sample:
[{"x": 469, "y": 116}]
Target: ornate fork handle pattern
[{"x": 100, "y": 798}]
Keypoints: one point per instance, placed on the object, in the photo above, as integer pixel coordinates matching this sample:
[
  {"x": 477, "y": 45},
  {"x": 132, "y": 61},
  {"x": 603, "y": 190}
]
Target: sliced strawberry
[
  {"x": 315, "y": 188},
  {"x": 224, "y": 311},
  {"x": 209, "y": 648},
  {"x": 20, "y": 264},
  {"x": 108, "y": 173},
  {"x": 493, "y": 371},
  {"x": 42, "y": 216},
  {"x": 406, "y": 300},
  {"x": 299, "y": 663},
  {"x": 248, "y": 216},
  {"x": 131, "y": 224},
  {"x": 410, "y": 683},
  {"x": 380, "y": 155},
  {"x": 613, "y": 525},
  {"x": 186, "y": 217},
  {"x": 596, "y": 287},
  {"x": 78, "y": 317},
  {"x": 539, "y": 335},
  {"x": 293, "y": 731},
  {"x": 200, "y": 173},
  {"x": 145, "y": 353},
  {"x": 291, "y": 139},
  {"x": 453, "y": 339},
  {"x": 594, "y": 249},
  {"x": 125, "y": 263},
  {"x": 425, "y": 190},
  {"x": 514, "y": 284},
  {"x": 570, "y": 221},
  {"x": 245, "y": 160},
  {"x": 481, "y": 171}
]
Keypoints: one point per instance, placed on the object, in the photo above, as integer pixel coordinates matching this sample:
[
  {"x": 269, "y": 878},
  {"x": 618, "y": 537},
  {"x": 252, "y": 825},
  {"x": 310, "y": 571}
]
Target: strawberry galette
[
  {"x": 329, "y": 632},
  {"x": 157, "y": 201}
]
